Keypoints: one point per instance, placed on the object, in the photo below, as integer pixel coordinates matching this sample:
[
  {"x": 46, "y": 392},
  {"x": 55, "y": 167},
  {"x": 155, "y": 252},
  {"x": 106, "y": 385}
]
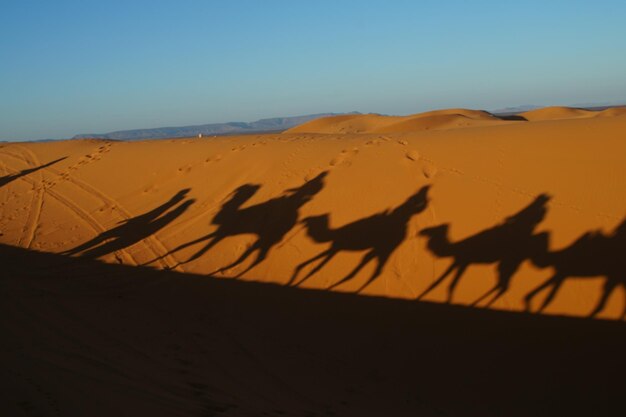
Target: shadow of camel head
[
  {"x": 417, "y": 202},
  {"x": 180, "y": 195},
  {"x": 309, "y": 188},
  {"x": 440, "y": 230},
  {"x": 244, "y": 192}
]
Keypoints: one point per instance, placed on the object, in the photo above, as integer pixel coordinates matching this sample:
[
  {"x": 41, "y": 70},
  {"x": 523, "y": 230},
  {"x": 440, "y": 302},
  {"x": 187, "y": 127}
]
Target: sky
[{"x": 70, "y": 67}]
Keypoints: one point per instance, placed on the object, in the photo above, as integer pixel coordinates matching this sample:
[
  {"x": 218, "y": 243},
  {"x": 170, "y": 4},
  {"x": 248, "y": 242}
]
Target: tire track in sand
[
  {"x": 151, "y": 243},
  {"x": 73, "y": 207},
  {"x": 36, "y": 205}
]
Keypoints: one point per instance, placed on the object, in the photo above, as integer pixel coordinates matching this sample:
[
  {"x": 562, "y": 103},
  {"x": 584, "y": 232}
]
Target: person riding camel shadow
[
  {"x": 507, "y": 245},
  {"x": 593, "y": 254},
  {"x": 270, "y": 221},
  {"x": 133, "y": 230}
]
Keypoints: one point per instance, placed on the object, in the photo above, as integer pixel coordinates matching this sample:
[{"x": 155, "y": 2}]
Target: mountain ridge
[{"x": 210, "y": 129}]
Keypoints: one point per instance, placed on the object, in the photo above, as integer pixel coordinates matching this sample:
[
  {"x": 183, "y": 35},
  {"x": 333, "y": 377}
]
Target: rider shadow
[
  {"x": 12, "y": 177},
  {"x": 379, "y": 235},
  {"x": 591, "y": 255},
  {"x": 270, "y": 221},
  {"x": 135, "y": 229},
  {"x": 507, "y": 245}
]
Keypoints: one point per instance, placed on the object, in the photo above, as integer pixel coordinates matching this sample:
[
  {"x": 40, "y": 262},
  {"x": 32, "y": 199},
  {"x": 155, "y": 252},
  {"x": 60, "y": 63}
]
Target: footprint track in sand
[
  {"x": 65, "y": 175},
  {"x": 377, "y": 141},
  {"x": 429, "y": 170},
  {"x": 344, "y": 158},
  {"x": 215, "y": 158},
  {"x": 185, "y": 169},
  {"x": 92, "y": 156},
  {"x": 413, "y": 155}
]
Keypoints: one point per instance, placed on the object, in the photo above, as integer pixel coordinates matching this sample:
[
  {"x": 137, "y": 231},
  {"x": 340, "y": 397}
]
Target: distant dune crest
[{"x": 442, "y": 120}]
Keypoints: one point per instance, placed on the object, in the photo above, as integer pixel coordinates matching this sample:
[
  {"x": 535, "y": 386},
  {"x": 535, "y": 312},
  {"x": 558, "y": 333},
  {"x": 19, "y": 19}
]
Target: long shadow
[
  {"x": 135, "y": 229},
  {"x": 12, "y": 177},
  {"x": 379, "y": 235},
  {"x": 591, "y": 255},
  {"x": 507, "y": 245},
  {"x": 163, "y": 343},
  {"x": 271, "y": 221}
]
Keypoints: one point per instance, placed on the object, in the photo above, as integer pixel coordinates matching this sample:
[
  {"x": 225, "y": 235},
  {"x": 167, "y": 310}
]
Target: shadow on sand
[
  {"x": 135, "y": 229},
  {"x": 593, "y": 254},
  {"x": 270, "y": 221},
  {"x": 162, "y": 343},
  {"x": 378, "y": 235},
  {"x": 12, "y": 177},
  {"x": 507, "y": 245}
]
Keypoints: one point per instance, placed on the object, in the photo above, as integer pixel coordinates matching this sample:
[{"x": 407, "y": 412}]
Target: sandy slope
[
  {"x": 510, "y": 215},
  {"x": 253, "y": 190}
]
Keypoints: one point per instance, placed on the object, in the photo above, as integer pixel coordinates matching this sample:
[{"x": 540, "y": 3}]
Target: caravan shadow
[
  {"x": 379, "y": 235},
  {"x": 507, "y": 245}
]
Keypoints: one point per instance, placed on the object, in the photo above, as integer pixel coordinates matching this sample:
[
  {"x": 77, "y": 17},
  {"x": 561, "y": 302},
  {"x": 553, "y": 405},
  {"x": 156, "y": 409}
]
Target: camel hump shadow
[
  {"x": 593, "y": 254},
  {"x": 507, "y": 245},
  {"x": 379, "y": 235},
  {"x": 270, "y": 221}
]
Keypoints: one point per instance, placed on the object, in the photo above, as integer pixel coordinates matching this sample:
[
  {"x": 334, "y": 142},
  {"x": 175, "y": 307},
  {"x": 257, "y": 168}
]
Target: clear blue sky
[{"x": 69, "y": 67}]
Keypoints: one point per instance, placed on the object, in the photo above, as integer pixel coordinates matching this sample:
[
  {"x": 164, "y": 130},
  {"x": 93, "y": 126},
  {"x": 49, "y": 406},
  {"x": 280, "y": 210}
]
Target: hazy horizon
[{"x": 74, "y": 67}]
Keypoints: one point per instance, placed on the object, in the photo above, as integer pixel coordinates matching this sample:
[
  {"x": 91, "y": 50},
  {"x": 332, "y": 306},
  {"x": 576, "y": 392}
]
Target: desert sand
[{"x": 446, "y": 263}]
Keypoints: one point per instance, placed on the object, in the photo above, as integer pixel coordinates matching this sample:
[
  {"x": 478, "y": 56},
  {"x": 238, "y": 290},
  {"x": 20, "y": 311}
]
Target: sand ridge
[
  {"x": 375, "y": 123},
  {"x": 238, "y": 207},
  {"x": 442, "y": 120}
]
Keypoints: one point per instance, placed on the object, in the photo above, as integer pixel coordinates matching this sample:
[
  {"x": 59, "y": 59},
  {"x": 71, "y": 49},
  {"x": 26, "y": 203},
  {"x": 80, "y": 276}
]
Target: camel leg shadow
[
  {"x": 212, "y": 243},
  {"x": 263, "y": 250},
  {"x": 555, "y": 282},
  {"x": 379, "y": 269},
  {"x": 609, "y": 286},
  {"x": 329, "y": 254},
  {"x": 457, "y": 277},
  {"x": 364, "y": 261},
  {"x": 506, "y": 270}
]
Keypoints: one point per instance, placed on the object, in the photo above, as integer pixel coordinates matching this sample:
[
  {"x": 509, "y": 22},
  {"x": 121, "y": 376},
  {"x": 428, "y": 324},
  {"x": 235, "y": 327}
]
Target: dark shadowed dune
[{"x": 81, "y": 337}]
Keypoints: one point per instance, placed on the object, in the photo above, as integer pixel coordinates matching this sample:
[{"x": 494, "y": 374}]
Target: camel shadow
[
  {"x": 270, "y": 221},
  {"x": 135, "y": 229},
  {"x": 507, "y": 245},
  {"x": 379, "y": 235},
  {"x": 12, "y": 177},
  {"x": 591, "y": 255}
]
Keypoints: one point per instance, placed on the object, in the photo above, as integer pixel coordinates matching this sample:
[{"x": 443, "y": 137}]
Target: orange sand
[
  {"x": 478, "y": 177},
  {"x": 527, "y": 215}
]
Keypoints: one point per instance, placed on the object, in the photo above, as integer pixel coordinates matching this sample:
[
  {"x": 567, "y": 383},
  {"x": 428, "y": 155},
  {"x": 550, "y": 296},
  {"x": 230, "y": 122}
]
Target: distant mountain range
[
  {"x": 276, "y": 124},
  {"x": 517, "y": 109}
]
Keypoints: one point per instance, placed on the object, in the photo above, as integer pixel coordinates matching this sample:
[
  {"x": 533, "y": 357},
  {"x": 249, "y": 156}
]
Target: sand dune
[
  {"x": 613, "y": 111},
  {"x": 374, "y": 123},
  {"x": 440, "y": 120},
  {"x": 513, "y": 223},
  {"x": 235, "y": 206},
  {"x": 557, "y": 113}
]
